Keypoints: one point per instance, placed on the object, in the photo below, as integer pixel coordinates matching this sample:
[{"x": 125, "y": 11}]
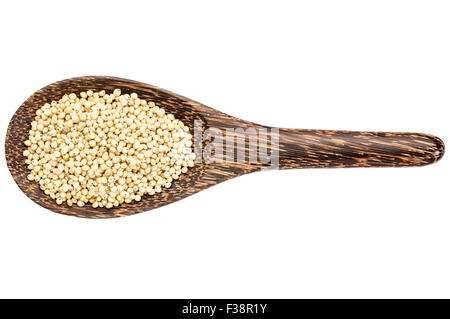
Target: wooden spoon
[{"x": 295, "y": 148}]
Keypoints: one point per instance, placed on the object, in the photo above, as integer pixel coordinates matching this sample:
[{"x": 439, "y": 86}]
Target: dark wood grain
[
  {"x": 325, "y": 148},
  {"x": 296, "y": 148}
]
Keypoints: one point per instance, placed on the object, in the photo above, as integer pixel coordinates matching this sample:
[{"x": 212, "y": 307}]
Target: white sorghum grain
[{"x": 105, "y": 149}]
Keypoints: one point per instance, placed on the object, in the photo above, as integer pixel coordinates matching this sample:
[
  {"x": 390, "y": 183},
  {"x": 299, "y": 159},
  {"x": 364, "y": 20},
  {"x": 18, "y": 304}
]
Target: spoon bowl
[{"x": 291, "y": 148}]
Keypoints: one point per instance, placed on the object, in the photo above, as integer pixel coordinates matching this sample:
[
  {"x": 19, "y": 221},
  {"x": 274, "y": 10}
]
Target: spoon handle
[{"x": 326, "y": 148}]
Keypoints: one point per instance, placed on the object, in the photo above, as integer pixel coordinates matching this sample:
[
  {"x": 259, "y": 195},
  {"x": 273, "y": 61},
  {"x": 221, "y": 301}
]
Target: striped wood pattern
[{"x": 297, "y": 148}]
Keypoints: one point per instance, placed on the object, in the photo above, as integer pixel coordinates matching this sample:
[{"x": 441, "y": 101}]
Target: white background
[{"x": 359, "y": 65}]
